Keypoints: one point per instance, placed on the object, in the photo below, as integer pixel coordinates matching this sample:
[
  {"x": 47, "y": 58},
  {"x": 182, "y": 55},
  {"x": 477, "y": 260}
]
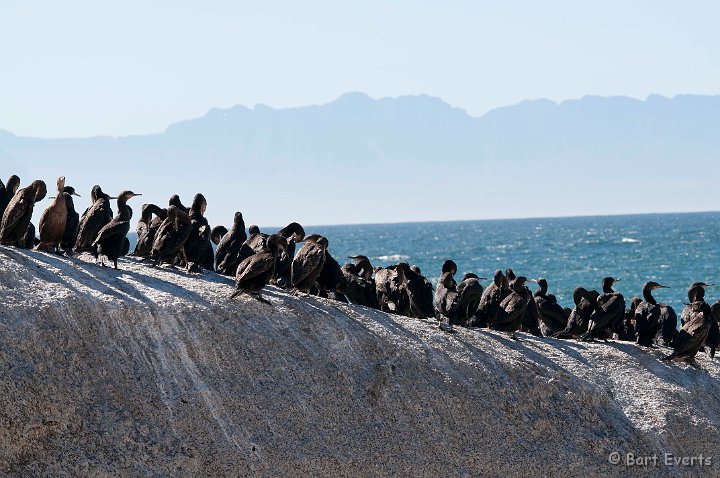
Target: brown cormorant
[
  {"x": 490, "y": 301},
  {"x": 53, "y": 220},
  {"x": 699, "y": 321},
  {"x": 609, "y": 313},
  {"x": 331, "y": 282},
  {"x": 151, "y": 218},
  {"x": 509, "y": 317},
  {"x": 647, "y": 315},
  {"x": 254, "y": 272},
  {"x": 585, "y": 304},
  {"x": 447, "y": 299},
  {"x": 197, "y": 250},
  {"x": 29, "y": 240},
  {"x": 17, "y": 215},
  {"x": 551, "y": 316},
  {"x": 175, "y": 201},
  {"x": 72, "y": 223},
  {"x": 7, "y": 191},
  {"x": 93, "y": 219},
  {"x": 253, "y": 229},
  {"x": 110, "y": 241},
  {"x": 471, "y": 292},
  {"x": 308, "y": 263},
  {"x": 391, "y": 296},
  {"x": 228, "y": 250},
  {"x": 171, "y": 236}
]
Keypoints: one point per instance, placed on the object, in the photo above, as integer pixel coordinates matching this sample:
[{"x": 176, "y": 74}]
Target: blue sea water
[{"x": 672, "y": 249}]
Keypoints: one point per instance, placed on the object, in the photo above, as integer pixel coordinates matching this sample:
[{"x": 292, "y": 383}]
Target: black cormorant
[
  {"x": 471, "y": 292},
  {"x": 360, "y": 284},
  {"x": 254, "y": 272},
  {"x": 490, "y": 301},
  {"x": 17, "y": 215},
  {"x": 447, "y": 299},
  {"x": 171, "y": 236},
  {"x": 609, "y": 313},
  {"x": 552, "y": 317},
  {"x": 197, "y": 250},
  {"x": 226, "y": 254},
  {"x": 331, "y": 282},
  {"x": 419, "y": 303},
  {"x": 217, "y": 233},
  {"x": 585, "y": 304},
  {"x": 293, "y": 233},
  {"x": 93, "y": 219},
  {"x": 308, "y": 263},
  {"x": 627, "y": 331},
  {"x": 175, "y": 201},
  {"x": 509, "y": 317},
  {"x": 110, "y": 241},
  {"x": 647, "y": 315},
  {"x": 151, "y": 218},
  {"x": 699, "y": 321},
  {"x": 7, "y": 191}
]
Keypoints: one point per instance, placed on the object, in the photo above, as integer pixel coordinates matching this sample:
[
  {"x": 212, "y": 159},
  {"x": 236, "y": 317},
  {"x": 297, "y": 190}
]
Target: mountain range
[{"x": 411, "y": 158}]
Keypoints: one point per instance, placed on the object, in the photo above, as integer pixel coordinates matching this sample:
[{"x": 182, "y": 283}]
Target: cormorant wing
[
  {"x": 308, "y": 259},
  {"x": 254, "y": 266},
  {"x": 113, "y": 228},
  {"x": 16, "y": 210}
]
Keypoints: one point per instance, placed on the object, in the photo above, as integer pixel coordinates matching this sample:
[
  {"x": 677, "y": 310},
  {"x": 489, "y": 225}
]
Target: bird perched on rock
[
  {"x": 490, "y": 301},
  {"x": 447, "y": 299},
  {"x": 171, "y": 236},
  {"x": 293, "y": 233},
  {"x": 391, "y": 296},
  {"x": 17, "y": 215},
  {"x": 308, "y": 263},
  {"x": 254, "y": 272},
  {"x": 579, "y": 319},
  {"x": 552, "y": 317},
  {"x": 419, "y": 302},
  {"x": 151, "y": 218},
  {"x": 228, "y": 250},
  {"x": 111, "y": 239},
  {"x": 699, "y": 321},
  {"x": 72, "y": 223},
  {"x": 360, "y": 284},
  {"x": 647, "y": 315},
  {"x": 609, "y": 312},
  {"x": 470, "y": 291},
  {"x": 7, "y": 191},
  {"x": 197, "y": 250},
  {"x": 512, "y": 309},
  {"x": 93, "y": 219},
  {"x": 54, "y": 219}
]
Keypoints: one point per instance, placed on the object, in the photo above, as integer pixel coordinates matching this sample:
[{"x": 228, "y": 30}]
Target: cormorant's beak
[
  {"x": 51, "y": 197},
  {"x": 662, "y": 287},
  {"x": 708, "y": 285},
  {"x": 136, "y": 194},
  {"x": 482, "y": 278},
  {"x": 112, "y": 197},
  {"x": 76, "y": 194}
]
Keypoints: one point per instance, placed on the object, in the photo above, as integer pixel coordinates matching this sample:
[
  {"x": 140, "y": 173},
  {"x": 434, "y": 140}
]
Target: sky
[{"x": 85, "y": 68}]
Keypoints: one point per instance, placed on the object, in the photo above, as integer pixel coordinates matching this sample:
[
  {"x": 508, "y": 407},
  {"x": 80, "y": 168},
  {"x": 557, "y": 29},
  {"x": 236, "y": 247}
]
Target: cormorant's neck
[
  {"x": 647, "y": 295},
  {"x": 607, "y": 289}
]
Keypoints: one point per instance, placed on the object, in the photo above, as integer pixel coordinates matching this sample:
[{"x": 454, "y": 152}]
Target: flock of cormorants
[{"x": 181, "y": 236}]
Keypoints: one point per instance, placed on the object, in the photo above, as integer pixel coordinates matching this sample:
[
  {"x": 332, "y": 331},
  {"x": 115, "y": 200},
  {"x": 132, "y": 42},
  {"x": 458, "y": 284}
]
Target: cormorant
[
  {"x": 254, "y": 272},
  {"x": 171, "y": 236},
  {"x": 175, "y": 201},
  {"x": 512, "y": 309},
  {"x": 308, "y": 263},
  {"x": 551, "y": 316},
  {"x": 609, "y": 313},
  {"x": 331, "y": 282},
  {"x": 391, "y": 296},
  {"x": 111, "y": 239},
  {"x": 627, "y": 331},
  {"x": 29, "y": 240},
  {"x": 17, "y": 215},
  {"x": 254, "y": 229},
  {"x": 293, "y": 233},
  {"x": 53, "y": 220},
  {"x": 197, "y": 250},
  {"x": 7, "y": 191},
  {"x": 698, "y": 322},
  {"x": 360, "y": 284},
  {"x": 93, "y": 219},
  {"x": 471, "y": 292},
  {"x": 713, "y": 339},
  {"x": 647, "y": 315},
  {"x": 72, "y": 223},
  {"x": 585, "y": 304},
  {"x": 447, "y": 299},
  {"x": 419, "y": 303},
  {"x": 217, "y": 233},
  {"x": 490, "y": 301},
  {"x": 228, "y": 250},
  {"x": 151, "y": 218}
]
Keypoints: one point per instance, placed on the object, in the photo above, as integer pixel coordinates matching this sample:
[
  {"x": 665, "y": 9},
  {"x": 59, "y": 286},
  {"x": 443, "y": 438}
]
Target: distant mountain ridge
[{"x": 359, "y": 159}]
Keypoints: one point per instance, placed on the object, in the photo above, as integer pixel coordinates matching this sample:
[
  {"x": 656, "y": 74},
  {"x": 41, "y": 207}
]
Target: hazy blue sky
[{"x": 78, "y": 68}]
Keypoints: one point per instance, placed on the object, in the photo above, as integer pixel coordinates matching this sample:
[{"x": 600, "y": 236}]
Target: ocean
[{"x": 672, "y": 249}]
